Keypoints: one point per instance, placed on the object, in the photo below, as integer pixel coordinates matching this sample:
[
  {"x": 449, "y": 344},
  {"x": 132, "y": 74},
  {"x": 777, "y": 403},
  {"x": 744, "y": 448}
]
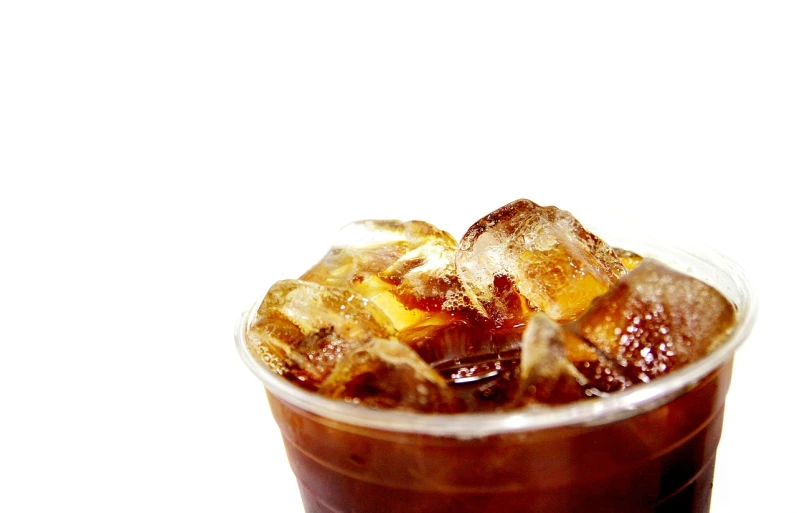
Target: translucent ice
[
  {"x": 303, "y": 329},
  {"x": 388, "y": 374},
  {"x": 656, "y": 319},
  {"x": 558, "y": 366},
  {"x": 524, "y": 257},
  {"x": 406, "y": 268}
]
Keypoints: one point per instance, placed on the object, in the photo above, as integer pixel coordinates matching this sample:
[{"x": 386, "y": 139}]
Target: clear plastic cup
[{"x": 650, "y": 448}]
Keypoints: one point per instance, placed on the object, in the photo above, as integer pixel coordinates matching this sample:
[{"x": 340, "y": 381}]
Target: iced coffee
[{"x": 528, "y": 367}]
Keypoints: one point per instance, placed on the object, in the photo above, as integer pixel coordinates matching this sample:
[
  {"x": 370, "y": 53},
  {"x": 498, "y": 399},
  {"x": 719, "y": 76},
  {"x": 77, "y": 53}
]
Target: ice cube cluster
[{"x": 527, "y": 308}]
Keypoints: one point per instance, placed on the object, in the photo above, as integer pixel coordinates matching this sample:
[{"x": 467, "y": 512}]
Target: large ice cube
[
  {"x": 558, "y": 366},
  {"x": 656, "y": 319},
  {"x": 407, "y": 268},
  {"x": 388, "y": 374},
  {"x": 546, "y": 375},
  {"x": 524, "y": 257},
  {"x": 303, "y": 329}
]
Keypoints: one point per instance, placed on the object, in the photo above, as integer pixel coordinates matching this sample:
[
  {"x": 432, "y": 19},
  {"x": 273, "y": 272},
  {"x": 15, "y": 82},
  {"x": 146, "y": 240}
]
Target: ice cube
[
  {"x": 406, "y": 268},
  {"x": 603, "y": 374},
  {"x": 303, "y": 329},
  {"x": 656, "y": 319},
  {"x": 524, "y": 257},
  {"x": 558, "y": 366},
  {"x": 388, "y": 374},
  {"x": 546, "y": 375}
]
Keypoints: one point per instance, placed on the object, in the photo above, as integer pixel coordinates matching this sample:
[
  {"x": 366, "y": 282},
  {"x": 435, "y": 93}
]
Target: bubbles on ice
[
  {"x": 406, "y": 268},
  {"x": 656, "y": 319},
  {"x": 524, "y": 257},
  {"x": 303, "y": 329}
]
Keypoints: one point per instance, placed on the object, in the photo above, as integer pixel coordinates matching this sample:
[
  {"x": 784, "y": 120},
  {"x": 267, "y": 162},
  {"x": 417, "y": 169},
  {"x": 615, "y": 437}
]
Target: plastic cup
[{"x": 650, "y": 448}]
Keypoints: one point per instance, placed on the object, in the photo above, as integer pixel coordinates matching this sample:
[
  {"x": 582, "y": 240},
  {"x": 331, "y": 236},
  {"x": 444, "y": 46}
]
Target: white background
[{"x": 163, "y": 162}]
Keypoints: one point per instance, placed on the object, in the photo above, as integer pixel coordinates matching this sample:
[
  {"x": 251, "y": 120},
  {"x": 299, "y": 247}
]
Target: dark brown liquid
[
  {"x": 661, "y": 461},
  {"x": 483, "y": 383},
  {"x": 479, "y": 363}
]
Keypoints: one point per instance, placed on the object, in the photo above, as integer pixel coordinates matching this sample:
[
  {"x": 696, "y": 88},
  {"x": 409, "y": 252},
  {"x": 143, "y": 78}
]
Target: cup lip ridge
[{"x": 618, "y": 406}]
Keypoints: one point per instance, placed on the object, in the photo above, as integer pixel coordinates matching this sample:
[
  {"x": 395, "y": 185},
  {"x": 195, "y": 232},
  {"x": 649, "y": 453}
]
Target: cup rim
[{"x": 701, "y": 263}]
